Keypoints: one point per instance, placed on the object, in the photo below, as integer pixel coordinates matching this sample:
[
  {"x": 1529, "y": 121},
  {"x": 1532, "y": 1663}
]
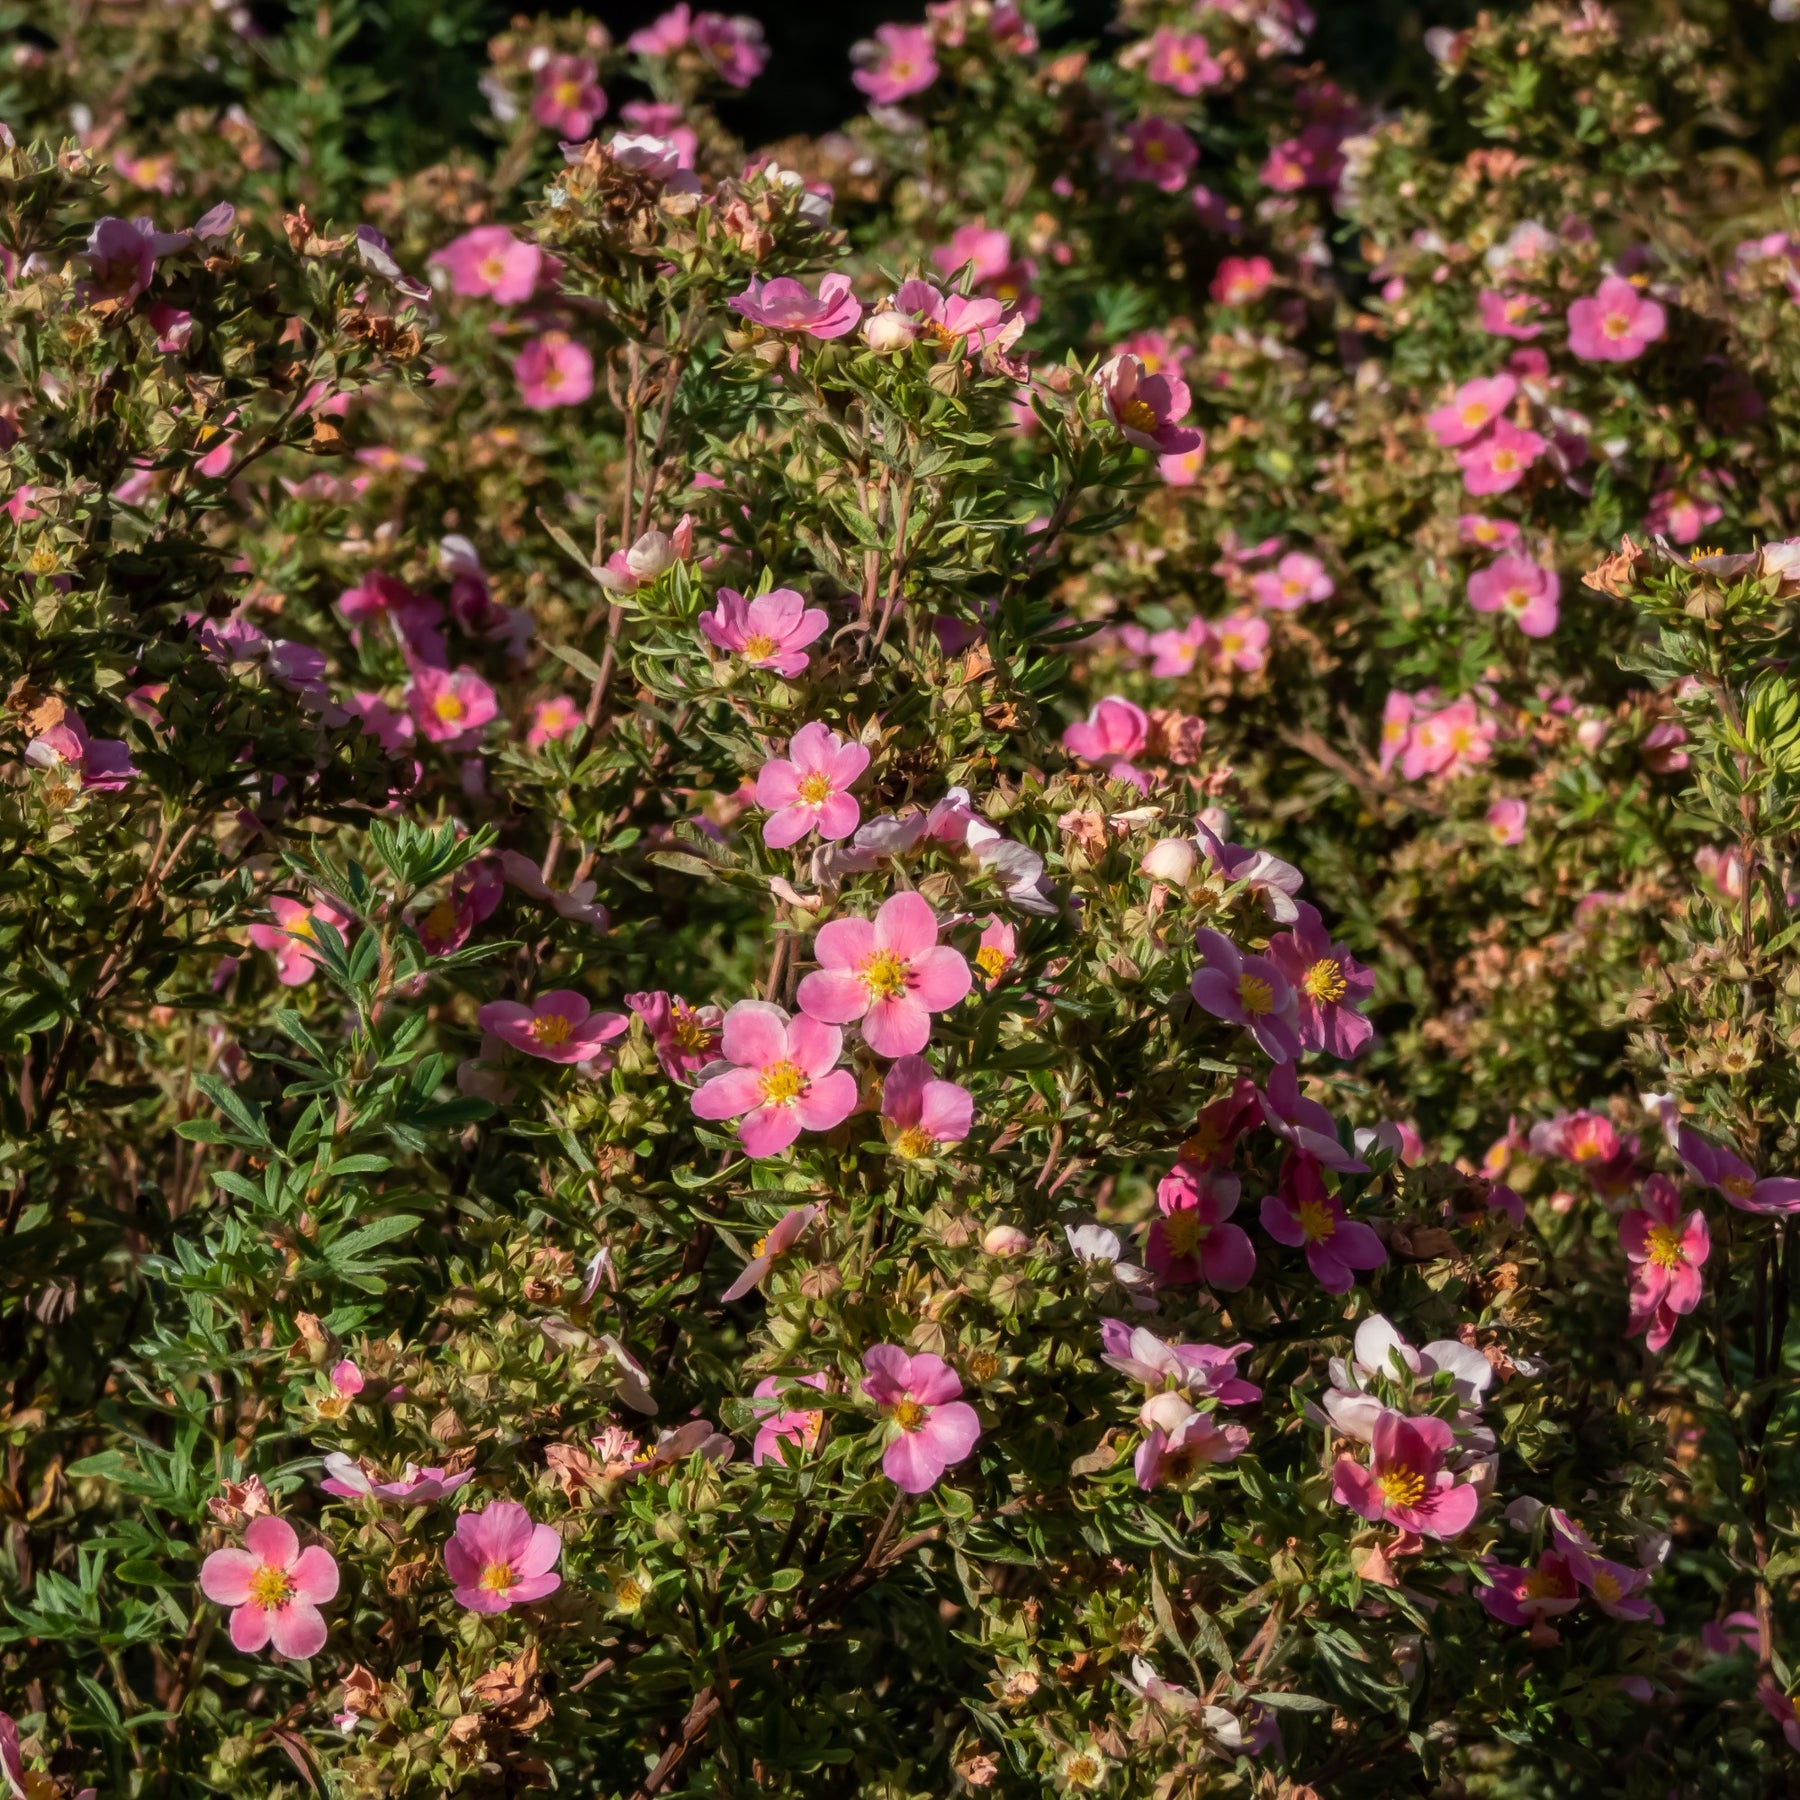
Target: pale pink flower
[
  {"x": 1498, "y": 462},
  {"x": 274, "y": 1589},
  {"x": 121, "y": 256},
  {"x": 1506, "y": 821},
  {"x": 933, "y": 1427},
  {"x": 1479, "y": 533},
  {"x": 289, "y": 939},
  {"x": 951, "y": 319},
  {"x": 769, "y": 632},
  {"x": 1303, "y": 1213},
  {"x": 1249, "y": 991},
  {"x": 1176, "y": 652},
  {"x": 1477, "y": 405},
  {"x": 785, "y": 304},
  {"x": 1273, "y": 881},
  {"x": 1615, "y": 324},
  {"x": 491, "y": 263},
  {"x": 1182, "y": 60},
  {"x": 1241, "y": 642},
  {"x": 786, "y": 1429},
  {"x": 686, "y": 1037},
  {"x": 986, "y": 249},
  {"x": 1158, "y": 151},
  {"x": 997, "y": 951},
  {"x": 553, "y": 370},
  {"x": 1680, "y": 515},
  {"x": 1183, "y": 469},
  {"x": 1524, "y": 590},
  {"x": 1449, "y": 741},
  {"x": 1193, "y": 1240},
  {"x": 665, "y": 35},
  {"x": 919, "y": 1113},
  {"x": 626, "y": 571},
  {"x": 567, "y": 98},
  {"x": 1297, "y": 580},
  {"x": 1238, "y": 280},
  {"x": 558, "y": 1027},
  {"x": 788, "y": 1231},
  {"x": 809, "y": 789},
  {"x": 450, "y": 707},
  {"x": 1175, "y": 1450},
  {"x": 895, "y": 64},
  {"x": 351, "y": 1479},
  {"x": 1114, "y": 732},
  {"x": 103, "y": 764},
  {"x": 1146, "y": 407},
  {"x": 1206, "y": 1371},
  {"x": 785, "y": 1080},
  {"x": 1406, "y": 1483},
  {"x": 499, "y": 1558},
  {"x": 552, "y": 717},
  {"x": 1714, "y": 1166},
  {"x": 890, "y": 972},
  {"x": 1509, "y": 315}
]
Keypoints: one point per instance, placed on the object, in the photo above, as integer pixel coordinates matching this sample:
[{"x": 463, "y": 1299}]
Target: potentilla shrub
[{"x": 860, "y": 970}]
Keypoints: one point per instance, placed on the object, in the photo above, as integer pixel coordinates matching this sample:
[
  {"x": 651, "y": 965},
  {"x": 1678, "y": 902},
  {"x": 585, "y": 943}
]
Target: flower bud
[
  {"x": 1006, "y": 1240},
  {"x": 650, "y": 555},
  {"x": 1171, "y": 859},
  {"x": 887, "y": 332},
  {"x": 1168, "y": 1410}
]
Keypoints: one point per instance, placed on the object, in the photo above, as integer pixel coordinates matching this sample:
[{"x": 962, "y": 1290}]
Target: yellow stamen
[
  {"x": 551, "y": 1030},
  {"x": 1317, "y": 1220},
  {"x": 1664, "y": 1247},
  {"x": 815, "y": 789},
  {"x": 758, "y": 645},
  {"x": 1401, "y": 1487},
  {"x": 1183, "y": 1229},
  {"x": 496, "y": 1578},
  {"x": 270, "y": 1586},
  {"x": 1138, "y": 415},
  {"x": 909, "y": 1415},
  {"x": 992, "y": 961},
  {"x": 448, "y": 708},
  {"x": 912, "y": 1143},
  {"x": 1255, "y": 995},
  {"x": 1325, "y": 979},
  {"x": 884, "y": 975},
  {"x": 782, "y": 1083}
]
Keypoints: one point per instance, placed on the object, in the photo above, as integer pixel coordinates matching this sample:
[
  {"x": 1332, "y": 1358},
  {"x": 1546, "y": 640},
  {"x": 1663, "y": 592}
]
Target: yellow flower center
[
  {"x": 1156, "y": 151},
  {"x": 1082, "y": 1770},
  {"x": 628, "y": 1593},
  {"x": 1183, "y": 1229},
  {"x": 1325, "y": 979},
  {"x": 492, "y": 269},
  {"x": 761, "y": 1244},
  {"x": 1607, "y": 1588},
  {"x": 912, "y": 1143},
  {"x": 1401, "y": 1487},
  {"x": 440, "y": 922},
  {"x": 909, "y": 1415},
  {"x": 1138, "y": 415},
  {"x": 782, "y": 1083},
  {"x": 302, "y": 927},
  {"x": 1255, "y": 995},
  {"x": 497, "y": 1577},
  {"x": 1475, "y": 413},
  {"x": 758, "y": 645},
  {"x": 1665, "y": 1247},
  {"x": 992, "y": 961},
  {"x": 1317, "y": 1220},
  {"x": 690, "y": 1032},
  {"x": 567, "y": 92},
  {"x": 270, "y": 1586},
  {"x": 42, "y": 561},
  {"x": 1739, "y": 1187},
  {"x": 448, "y": 708},
  {"x": 815, "y": 789},
  {"x": 1517, "y": 599},
  {"x": 1616, "y": 325},
  {"x": 1544, "y": 1584},
  {"x": 884, "y": 975},
  {"x": 551, "y": 1029}
]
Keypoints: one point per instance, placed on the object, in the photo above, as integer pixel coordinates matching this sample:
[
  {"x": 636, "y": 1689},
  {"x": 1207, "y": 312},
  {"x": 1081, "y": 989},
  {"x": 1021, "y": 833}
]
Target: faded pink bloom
[
  {"x": 1302, "y": 1212},
  {"x": 919, "y": 1113},
  {"x": 1667, "y": 1251},
  {"x": 890, "y": 972},
  {"x": 121, "y": 256},
  {"x": 1615, "y": 324},
  {"x": 450, "y": 708},
  {"x": 1193, "y": 1240},
  {"x": 785, "y": 1427},
  {"x": 1681, "y": 515},
  {"x": 1305, "y": 1123},
  {"x": 558, "y": 1027},
  {"x": 274, "y": 1589},
  {"x": 1479, "y": 533},
  {"x": 788, "y": 1231},
  {"x": 1297, "y": 580},
  {"x": 1715, "y": 1166},
  {"x": 1114, "y": 732},
  {"x": 103, "y": 764},
  {"x": 1145, "y": 407},
  {"x": 895, "y": 64},
  {"x": 1206, "y": 1371},
  {"x": 951, "y": 319},
  {"x": 491, "y": 263},
  {"x": 986, "y": 249},
  {"x": 1238, "y": 280},
  {"x": 1273, "y": 881},
  {"x": 1406, "y": 1483},
  {"x": 809, "y": 789},
  {"x": 785, "y": 304},
  {"x": 1525, "y": 591},
  {"x": 686, "y": 1037},
  {"x": 1329, "y": 985},
  {"x": 567, "y": 99},
  {"x": 287, "y": 940},
  {"x": 1158, "y": 151},
  {"x": 1721, "y": 870},
  {"x": 1506, "y": 821},
  {"x": 1585, "y": 1138},
  {"x": 499, "y": 1558},
  {"x": 626, "y": 571},
  {"x": 1477, "y": 405},
  {"x": 1509, "y": 315},
  {"x": 1524, "y": 1596},
  {"x": 1498, "y": 462},
  {"x": 1181, "y": 1442},
  {"x": 555, "y": 716},
  {"x": 553, "y": 370},
  {"x": 769, "y": 632},
  {"x": 1249, "y": 991},
  {"x": 1182, "y": 60},
  {"x": 933, "y": 1426},
  {"x": 786, "y": 1079},
  {"x": 1241, "y": 642},
  {"x": 351, "y": 1479}
]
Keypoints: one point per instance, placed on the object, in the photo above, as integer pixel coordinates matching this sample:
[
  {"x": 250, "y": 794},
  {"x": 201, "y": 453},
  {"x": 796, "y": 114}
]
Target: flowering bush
[{"x": 960, "y": 958}]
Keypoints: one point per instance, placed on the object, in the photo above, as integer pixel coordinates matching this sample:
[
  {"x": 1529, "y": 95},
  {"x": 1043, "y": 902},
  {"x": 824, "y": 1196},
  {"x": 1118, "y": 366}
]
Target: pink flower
[
  {"x": 122, "y": 255},
  {"x": 686, "y": 1037},
  {"x": 1716, "y": 1167},
  {"x": 1193, "y": 1240},
  {"x": 1524, "y": 1596},
  {"x": 1145, "y": 407},
  {"x": 626, "y": 571},
  {"x": 1406, "y": 1483},
  {"x": 895, "y": 64},
  {"x": 1450, "y": 741},
  {"x": 782, "y": 1426},
  {"x": 1782, "y": 1708},
  {"x": 1478, "y": 533},
  {"x": 1396, "y": 727},
  {"x": 933, "y": 1428},
  {"x": 919, "y": 1113},
  {"x": 1207, "y": 1371},
  {"x": 350, "y": 1479},
  {"x": 1240, "y": 641},
  {"x": 450, "y": 708},
  {"x": 1247, "y": 990},
  {"x": 1737, "y": 1634},
  {"x": 104, "y": 764},
  {"x": 490, "y": 262},
  {"x": 997, "y": 951},
  {"x": 1182, "y": 60},
  {"x": 1176, "y": 652},
  {"x": 553, "y": 370},
  {"x": 1477, "y": 405},
  {"x": 1329, "y": 985},
  {"x": 733, "y": 46},
  {"x": 1114, "y": 732},
  {"x": 1509, "y": 315},
  {"x": 789, "y": 1229},
  {"x": 1497, "y": 463},
  {"x": 769, "y": 632},
  {"x": 567, "y": 99},
  {"x": 1175, "y": 1450},
  {"x": 986, "y": 249},
  {"x": 1183, "y": 470},
  {"x": 287, "y": 940},
  {"x": 664, "y": 35},
  {"x": 1302, "y": 1212},
  {"x": 1296, "y": 581},
  {"x": 273, "y": 1587},
  {"x": 809, "y": 789},
  {"x": 559, "y": 1026},
  {"x": 1157, "y": 150},
  {"x": 889, "y": 971},
  {"x": 1304, "y": 1123},
  {"x": 785, "y": 304},
  {"x": 1615, "y": 324},
  {"x": 1238, "y": 280},
  {"x": 1616, "y": 1589},
  {"x": 499, "y": 1558},
  {"x": 555, "y": 716},
  {"x": 1667, "y": 1252},
  {"x": 1506, "y": 821},
  {"x": 951, "y": 319},
  {"x": 786, "y": 1078},
  {"x": 1273, "y": 881},
  {"x": 1525, "y": 591},
  {"x": 1680, "y": 516}
]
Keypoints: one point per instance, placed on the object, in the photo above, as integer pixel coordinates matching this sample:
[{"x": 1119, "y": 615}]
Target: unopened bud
[
  {"x": 887, "y": 332},
  {"x": 650, "y": 555},
  {"x": 1171, "y": 859},
  {"x": 1006, "y": 1240}
]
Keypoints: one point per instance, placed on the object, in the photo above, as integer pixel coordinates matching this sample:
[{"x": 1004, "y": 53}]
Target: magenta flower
[
  {"x": 1145, "y": 407},
  {"x": 769, "y": 632},
  {"x": 1406, "y": 1483},
  {"x": 1666, "y": 1251},
  {"x": 889, "y": 971},
  {"x": 1183, "y": 61},
  {"x": 1497, "y": 463},
  {"x": 489, "y": 262},
  {"x": 499, "y": 1558},
  {"x": 686, "y": 1037},
  {"x": 1176, "y": 1450},
  {"x": 785, "y": 304},
  {"x": 784, "y": 1426},
  {"x": 1158, "y": 151},
  {"x": 450, "y": 707},
  {"x": 1524, "y": 1596},
  {"x": 1207, "y": 1371},
  {"x": 553, "y": 370},
  {"x": 351, "y": 1479},
  {"x": 1506, "y": 821},
  {"x": 287, "y": 940},
  {"x": 559, "y": 1026},
  {"x": 274, "y": 1588},
  {"x": 933, "y": 1427},
  {"x": 1525, "y": 591},
  {"x": 567, "y": 98},
  {"x": 1329, "y": 985},
  {"x": 1193, "y": 1240},
  {"x": 553, "y": 717},
  {"x": 1111, "y": 735},
  {"x": 1238, "y": 280},
  {"x": 786, "y": 1078},
  {"x": 1616, "y": 1589},
  {"x": 1782, "y": 1707},
  {"x": 1247, "y": 990},
  {"x": 733, "y": 46},
  {"x": 1303, "y": 1123},
  {"x": 919, "y": 1113},
  {"x": 789, "y": 1229},
  {"x": 1302, "y": 1212},
  {"x": 1615, "y": 324},
  {"x": 809, "y": 788},
  {"x": 1509, "y": 315},
  {"x": 949, "y": 319},
  {"x": 1712, "y": 1165},
  {"x": 103, "y": 764},
  {"x": 895, "y": 64},
  {"x": 1477, "y": 405}
]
